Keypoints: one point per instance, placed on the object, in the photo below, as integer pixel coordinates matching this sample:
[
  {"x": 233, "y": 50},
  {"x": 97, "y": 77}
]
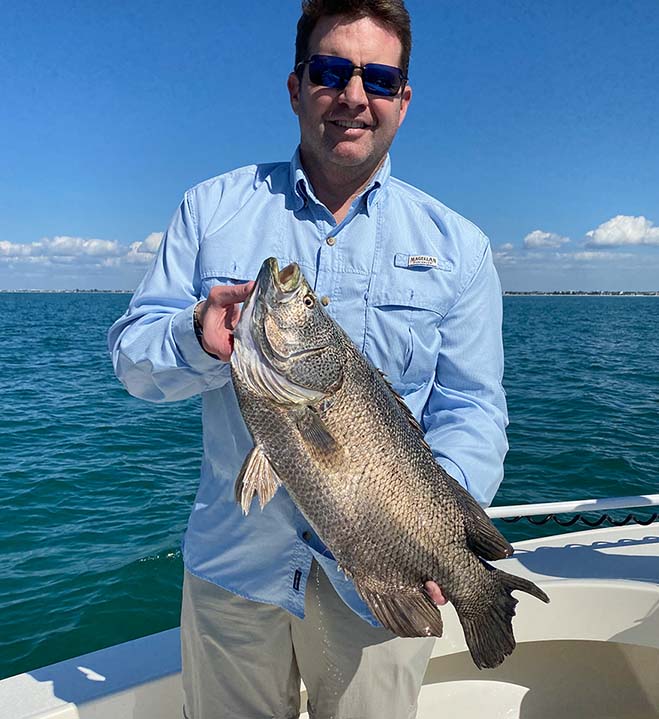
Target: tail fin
[{"x": 488, "y": 628}]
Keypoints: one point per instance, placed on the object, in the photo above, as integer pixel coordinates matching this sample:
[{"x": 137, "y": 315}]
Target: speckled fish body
[{"x": 327, "y": 426}]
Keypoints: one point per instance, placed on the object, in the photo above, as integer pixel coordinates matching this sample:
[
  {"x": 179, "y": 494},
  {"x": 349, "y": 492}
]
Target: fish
[{"x": 328, "y": 427}]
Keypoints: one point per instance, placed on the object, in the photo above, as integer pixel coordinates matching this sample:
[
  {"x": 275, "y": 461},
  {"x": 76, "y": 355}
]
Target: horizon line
[{"x": 94, "y": 290}]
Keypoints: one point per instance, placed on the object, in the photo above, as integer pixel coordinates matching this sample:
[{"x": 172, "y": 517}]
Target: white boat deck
[{"x": 592, "y": 652}]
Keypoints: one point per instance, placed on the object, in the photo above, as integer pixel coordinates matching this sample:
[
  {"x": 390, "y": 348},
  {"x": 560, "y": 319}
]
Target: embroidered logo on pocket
[{"x": 421, "y": 261}]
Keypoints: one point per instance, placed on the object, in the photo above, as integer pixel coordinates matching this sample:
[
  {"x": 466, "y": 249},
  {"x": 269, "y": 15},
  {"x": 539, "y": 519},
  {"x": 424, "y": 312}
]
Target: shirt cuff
[{"x": 188, "y": 345}]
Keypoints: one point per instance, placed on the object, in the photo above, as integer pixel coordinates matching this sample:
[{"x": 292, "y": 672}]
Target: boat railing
[{"x": 543, "y": 512}]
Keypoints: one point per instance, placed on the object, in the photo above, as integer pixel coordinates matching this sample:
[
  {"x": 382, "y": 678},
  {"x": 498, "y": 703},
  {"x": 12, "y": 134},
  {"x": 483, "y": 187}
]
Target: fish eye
[{"x": 309, "y": 300}]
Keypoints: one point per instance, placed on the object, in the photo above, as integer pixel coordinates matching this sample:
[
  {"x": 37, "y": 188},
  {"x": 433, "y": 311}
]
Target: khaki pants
[{"x": 244, "y": 660}]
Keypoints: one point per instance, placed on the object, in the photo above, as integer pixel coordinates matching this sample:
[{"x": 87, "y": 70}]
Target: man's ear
[
  {"x": 404, "y": 103},
  {"x": 293, "y": 85}
]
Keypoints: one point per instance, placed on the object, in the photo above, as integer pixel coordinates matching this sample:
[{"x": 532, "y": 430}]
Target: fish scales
[
  {"x": 366, "y": 492},
  {"x": 327, "y": 426}
]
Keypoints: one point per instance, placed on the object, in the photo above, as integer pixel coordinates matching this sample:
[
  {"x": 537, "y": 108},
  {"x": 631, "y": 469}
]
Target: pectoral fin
[
  {"x": 256, "y": 476},
  {"x": 313, "y": 430}
]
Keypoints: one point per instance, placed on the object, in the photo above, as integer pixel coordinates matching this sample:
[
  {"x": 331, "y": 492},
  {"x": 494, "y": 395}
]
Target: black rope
[{"x": 605, "y": 518}]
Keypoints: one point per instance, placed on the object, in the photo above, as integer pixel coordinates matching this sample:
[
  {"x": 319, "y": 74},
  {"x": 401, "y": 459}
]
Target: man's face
[{"x": 347, "y": 132}]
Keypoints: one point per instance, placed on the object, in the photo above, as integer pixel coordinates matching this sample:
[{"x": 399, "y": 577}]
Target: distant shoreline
[
  {"x": 66, "y": 292},
  {"x": 578, "y": 293},
  {"x": 533, "y": 293}
]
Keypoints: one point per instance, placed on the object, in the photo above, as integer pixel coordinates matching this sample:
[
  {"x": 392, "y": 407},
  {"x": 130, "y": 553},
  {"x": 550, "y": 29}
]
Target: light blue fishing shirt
[{"x": 411, "y": 282}]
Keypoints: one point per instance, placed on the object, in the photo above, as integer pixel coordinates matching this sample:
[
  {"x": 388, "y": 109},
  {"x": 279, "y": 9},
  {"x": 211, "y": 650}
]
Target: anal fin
[
  {"x": 256, "y": 476},
  {"x": 409, "y": 613}
]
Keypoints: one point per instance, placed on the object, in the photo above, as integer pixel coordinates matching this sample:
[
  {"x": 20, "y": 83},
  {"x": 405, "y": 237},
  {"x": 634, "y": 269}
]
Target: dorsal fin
[{"x": 405, "y": 409}]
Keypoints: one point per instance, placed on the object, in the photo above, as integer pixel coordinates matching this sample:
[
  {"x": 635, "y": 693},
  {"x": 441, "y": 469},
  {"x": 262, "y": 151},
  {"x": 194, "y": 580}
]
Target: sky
[{"x": 539, "y": 121}]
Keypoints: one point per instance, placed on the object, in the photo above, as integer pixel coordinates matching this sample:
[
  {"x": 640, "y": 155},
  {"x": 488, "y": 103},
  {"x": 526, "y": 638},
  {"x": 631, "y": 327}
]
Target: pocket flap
[
  {"x": 240, "y": 268},
  {"x": 404, "y": 285}
]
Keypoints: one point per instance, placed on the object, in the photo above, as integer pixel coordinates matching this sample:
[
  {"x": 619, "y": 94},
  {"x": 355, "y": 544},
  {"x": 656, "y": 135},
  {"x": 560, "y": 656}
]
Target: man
[{"x": 411, "y": 282}]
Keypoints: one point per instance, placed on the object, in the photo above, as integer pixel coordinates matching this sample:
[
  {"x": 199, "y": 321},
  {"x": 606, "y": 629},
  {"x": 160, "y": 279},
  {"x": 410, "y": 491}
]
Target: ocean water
[{"x": 95, "y": 486}]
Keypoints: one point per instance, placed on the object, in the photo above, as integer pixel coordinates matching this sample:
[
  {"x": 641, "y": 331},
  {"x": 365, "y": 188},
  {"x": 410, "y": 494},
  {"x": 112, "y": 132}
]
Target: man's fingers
[
  {"x": 232, "y": 317},
  {"x": 219, "y": 316},
  {"x": 224, "y": 295},
  {"x": 225, "y": 348},
  {"x": 217, "y": 339},
  {"x": 435, "y": 593}
]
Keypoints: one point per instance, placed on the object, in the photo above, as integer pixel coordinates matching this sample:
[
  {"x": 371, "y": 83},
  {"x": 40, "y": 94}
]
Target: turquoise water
[{"x": 95, "y": 486}]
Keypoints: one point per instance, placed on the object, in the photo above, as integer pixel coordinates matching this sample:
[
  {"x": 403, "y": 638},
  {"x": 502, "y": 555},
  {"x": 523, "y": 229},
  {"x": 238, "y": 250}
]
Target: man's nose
[{"x": 354, "y": 93}]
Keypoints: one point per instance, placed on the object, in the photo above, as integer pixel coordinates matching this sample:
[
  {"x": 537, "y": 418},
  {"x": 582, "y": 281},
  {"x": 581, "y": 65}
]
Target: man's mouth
[{"x": 351, "y": 124}]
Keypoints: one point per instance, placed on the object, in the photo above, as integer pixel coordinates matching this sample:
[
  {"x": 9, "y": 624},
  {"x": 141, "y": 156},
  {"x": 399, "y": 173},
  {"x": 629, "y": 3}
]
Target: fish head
[{"x": 285, "y": 343}]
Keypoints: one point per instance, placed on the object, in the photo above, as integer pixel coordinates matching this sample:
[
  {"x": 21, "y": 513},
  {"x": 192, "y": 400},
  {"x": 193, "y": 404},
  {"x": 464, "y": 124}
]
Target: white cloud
[
  {"x": 65, "y": 250},
  {"x": 539, "y": 239},
  {"x": 504, "y": 254},
  {"x": 548, "y": 261},
  {"x": 586, "y": 256},
  {"x": 112, "y": 262},
  {"x": 60, "y": 249},
  {"x": 624, "y": 230},
  {"x": 141, "y": 253},
  {"x": 76, "y": 247},
  {"x": 13, "y": 250},
  {"x": 152, "y": 242}
]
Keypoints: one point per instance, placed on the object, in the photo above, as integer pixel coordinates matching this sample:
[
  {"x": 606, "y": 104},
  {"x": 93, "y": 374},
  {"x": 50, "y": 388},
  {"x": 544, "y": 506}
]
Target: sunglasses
[{"x": 336, "y": 73}]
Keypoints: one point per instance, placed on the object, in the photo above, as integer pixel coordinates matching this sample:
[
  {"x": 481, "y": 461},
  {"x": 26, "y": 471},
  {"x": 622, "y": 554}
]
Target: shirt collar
[{"x": 303, "y": 192}]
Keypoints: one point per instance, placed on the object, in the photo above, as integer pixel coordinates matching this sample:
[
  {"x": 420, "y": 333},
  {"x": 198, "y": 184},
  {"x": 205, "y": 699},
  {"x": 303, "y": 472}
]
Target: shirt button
[
  {"x": 331, "y": 241},
  {"x": 324, "y": 301},
  {"x": 306, "y": 536}
]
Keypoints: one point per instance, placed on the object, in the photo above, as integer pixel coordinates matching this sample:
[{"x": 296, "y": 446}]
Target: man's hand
[
  {"x": 218, "y": 316},
  {"x": 435, "y": 593}
]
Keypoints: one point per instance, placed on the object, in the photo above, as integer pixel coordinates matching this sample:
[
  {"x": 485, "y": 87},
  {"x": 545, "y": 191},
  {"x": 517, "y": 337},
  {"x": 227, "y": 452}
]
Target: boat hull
[{"x": 593, "y": 651}]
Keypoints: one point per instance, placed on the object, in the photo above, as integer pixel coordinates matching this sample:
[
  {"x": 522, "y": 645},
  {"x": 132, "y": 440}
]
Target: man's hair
[{"x": 392, "y": 14}]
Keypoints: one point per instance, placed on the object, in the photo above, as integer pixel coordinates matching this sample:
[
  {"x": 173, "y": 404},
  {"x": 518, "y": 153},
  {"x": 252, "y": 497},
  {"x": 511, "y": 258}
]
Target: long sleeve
[
  {"x": 155, "y": 352},
  {"x": 465, "y": 416}
]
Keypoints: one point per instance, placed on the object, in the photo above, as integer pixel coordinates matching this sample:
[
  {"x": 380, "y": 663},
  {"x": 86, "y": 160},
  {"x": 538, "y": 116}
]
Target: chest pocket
[
  {"x": 231, "y": 271},
  {"x": 404, "y": 310},
  {"x": 227, "y": 273}
]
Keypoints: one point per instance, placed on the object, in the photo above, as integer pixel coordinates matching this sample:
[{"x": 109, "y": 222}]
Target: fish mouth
[
  {"x": 285, "y": 282},
  {"x": 288, "y": 280}
]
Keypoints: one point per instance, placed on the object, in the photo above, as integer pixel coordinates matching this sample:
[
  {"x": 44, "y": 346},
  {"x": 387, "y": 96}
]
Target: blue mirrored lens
[
  {"x": 382, "y": 79},
  {"x": 335, "y": 72}
]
